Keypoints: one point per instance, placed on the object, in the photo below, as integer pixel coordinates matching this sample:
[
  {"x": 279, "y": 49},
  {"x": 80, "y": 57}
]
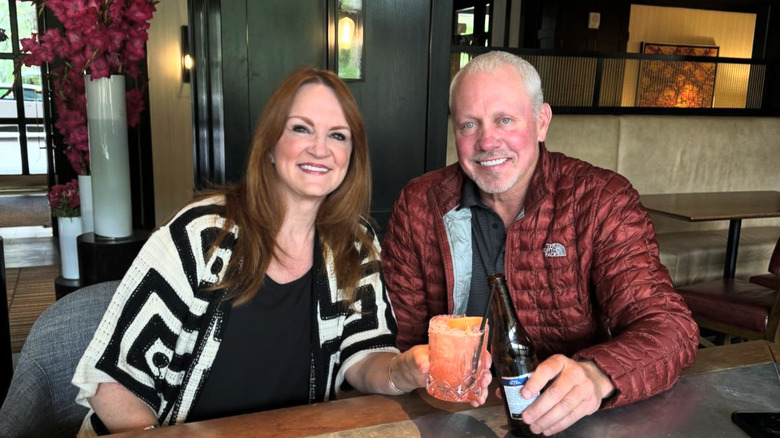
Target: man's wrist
[{"x": 602, "y": 381}]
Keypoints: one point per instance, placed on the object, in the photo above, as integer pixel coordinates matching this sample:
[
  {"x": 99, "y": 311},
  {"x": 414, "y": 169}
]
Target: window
[{"x": 22, "y": 133}]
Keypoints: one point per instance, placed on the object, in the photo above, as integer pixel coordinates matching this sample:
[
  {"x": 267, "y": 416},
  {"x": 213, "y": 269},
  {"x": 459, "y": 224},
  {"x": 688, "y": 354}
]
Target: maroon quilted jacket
[{"x": 609, "y": 299}]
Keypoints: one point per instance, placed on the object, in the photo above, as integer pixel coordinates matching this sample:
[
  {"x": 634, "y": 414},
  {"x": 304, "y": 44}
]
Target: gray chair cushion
[{"x": 41, "y": 399}]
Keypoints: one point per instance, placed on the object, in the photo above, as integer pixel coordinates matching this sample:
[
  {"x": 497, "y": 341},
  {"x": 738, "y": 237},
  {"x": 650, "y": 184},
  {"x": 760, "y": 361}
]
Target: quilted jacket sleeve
[
  {"x": 404, "y": 274},
  {"x": 653, "y": 334}
]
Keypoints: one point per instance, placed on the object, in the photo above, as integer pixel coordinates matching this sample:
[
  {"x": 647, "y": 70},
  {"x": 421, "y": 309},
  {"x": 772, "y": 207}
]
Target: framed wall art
[{"x": 673, "y": 83}]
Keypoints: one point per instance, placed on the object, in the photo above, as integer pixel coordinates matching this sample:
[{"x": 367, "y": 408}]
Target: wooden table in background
[
  {"x": 714, "y": 206},
  {"x": 733, "y": 377}
]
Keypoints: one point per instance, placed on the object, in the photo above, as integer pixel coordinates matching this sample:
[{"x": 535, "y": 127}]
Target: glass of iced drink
[{"x": 454, "y": 342}]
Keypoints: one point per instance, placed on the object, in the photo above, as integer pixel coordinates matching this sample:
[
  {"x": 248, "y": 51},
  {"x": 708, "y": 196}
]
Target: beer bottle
[{"x": 513, "y": 355}]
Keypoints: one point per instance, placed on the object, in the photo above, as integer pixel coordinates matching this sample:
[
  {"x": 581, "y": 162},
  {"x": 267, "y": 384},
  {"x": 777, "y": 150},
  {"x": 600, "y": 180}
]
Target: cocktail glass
[{"x": 454, "y": 342}]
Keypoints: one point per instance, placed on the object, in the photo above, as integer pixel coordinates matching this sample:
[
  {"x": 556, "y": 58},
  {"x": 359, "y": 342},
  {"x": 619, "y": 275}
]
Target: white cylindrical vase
[
  {"x": 109, "y": 157},
  {"x": 85, "y": 196},
  {"x": 69, "y": 229}
]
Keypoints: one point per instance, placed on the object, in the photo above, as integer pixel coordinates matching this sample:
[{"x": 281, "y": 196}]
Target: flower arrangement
[
  {"x": 99, "y": 37},
  {"x": 64, "y": 199}
]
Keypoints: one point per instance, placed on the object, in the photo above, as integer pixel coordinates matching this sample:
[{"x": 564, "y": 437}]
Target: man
[{"x": 577, "y": 248}]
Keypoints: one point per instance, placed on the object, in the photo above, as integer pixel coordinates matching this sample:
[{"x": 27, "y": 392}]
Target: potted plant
[
  {"x": 99, "y": 43},
  {"x": 101, "y": 37},
  {"x": 64, "y": 201}
]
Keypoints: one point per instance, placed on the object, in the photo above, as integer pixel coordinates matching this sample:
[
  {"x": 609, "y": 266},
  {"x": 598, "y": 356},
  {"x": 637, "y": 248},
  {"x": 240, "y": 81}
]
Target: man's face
[{"x": 496, "y": 132}]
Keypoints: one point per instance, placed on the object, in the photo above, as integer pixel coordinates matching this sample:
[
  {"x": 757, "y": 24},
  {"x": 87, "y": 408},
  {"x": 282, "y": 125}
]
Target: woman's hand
[
  {"x": 409, "y": 370},
  {"x": 414, "y": 365},
  {"x": 388, "y": 373}
]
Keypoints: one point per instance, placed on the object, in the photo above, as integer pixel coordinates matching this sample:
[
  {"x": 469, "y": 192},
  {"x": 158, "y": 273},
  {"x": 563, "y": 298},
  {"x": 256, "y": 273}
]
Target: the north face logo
[{"x": 554, "y": 250}]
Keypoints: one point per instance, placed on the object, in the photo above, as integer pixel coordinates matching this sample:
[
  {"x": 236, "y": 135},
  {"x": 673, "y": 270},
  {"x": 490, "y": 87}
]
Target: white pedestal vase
[
  {"x": 85, "y": 195},
  {"x": 69, "y": 229},
  {"x": 109, "y": 157}
]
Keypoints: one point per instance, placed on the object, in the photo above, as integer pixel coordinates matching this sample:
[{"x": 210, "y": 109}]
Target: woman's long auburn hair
[{"x": 257, "y": 207}]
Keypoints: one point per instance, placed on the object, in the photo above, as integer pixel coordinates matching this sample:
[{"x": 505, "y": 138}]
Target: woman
[{"x": 262, "y": 295}]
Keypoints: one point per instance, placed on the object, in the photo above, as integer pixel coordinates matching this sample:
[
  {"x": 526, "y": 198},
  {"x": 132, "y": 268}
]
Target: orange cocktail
[{"x": 453, "y": 342}]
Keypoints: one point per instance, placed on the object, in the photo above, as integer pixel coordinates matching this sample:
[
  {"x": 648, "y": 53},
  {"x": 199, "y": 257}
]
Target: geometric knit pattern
[{"x": 161, "y": 331}]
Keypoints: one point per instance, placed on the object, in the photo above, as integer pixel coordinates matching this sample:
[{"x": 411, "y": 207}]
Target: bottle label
[{"x": 515, "y": 401}]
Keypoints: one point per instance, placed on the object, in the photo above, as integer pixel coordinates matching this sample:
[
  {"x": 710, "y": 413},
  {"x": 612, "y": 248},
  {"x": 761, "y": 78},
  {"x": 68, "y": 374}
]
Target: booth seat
[
  {"x": 697, "y": 256},
  {"x": 686, "y": 154}
]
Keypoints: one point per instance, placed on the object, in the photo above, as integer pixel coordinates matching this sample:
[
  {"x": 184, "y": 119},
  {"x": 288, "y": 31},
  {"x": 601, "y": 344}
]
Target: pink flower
[
  {"x": 74, "y": 201},
  {"x": 140, "y": 12},
  {"x": 136, "y": 50},
  {"x": 64, "y": 199},
  {"x": 100, "y": 68},
  {"x": 133, "y": 70},
  {"x": 134, "y": 100},
  {"x": 76, "y": 40},
  {"x": 74, "y": 9},
  {"x": 28, "y": 44}
]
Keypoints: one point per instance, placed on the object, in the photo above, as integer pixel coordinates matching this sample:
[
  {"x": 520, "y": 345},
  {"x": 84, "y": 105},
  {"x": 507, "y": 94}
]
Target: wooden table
[
  {"x": 739, "y": 376},
  {"x": 713, "y": 206}
]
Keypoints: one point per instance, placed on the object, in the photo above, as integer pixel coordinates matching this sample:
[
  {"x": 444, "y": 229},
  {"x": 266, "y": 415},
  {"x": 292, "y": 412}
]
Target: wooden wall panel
[{"x": 171, "y": 112}]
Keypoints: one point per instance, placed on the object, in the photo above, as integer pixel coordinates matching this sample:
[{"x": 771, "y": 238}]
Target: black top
[{"x": 264, "y": 361}]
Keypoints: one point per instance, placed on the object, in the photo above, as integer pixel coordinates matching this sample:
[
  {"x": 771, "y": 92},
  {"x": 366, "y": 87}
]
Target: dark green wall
[
  {"x": 262, "y": 42},
  {"x": 393, "y": 95}
]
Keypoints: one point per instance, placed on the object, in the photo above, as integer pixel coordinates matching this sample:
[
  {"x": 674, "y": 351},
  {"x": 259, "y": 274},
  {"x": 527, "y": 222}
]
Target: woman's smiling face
[{"x": 312, "y": 155}]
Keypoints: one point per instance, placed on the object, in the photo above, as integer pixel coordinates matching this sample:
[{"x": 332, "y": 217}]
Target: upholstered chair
[
  {"x": 735, "y": 308},
  {"x": 772, "y": 278},
  {"x": 41, "y": 400}
]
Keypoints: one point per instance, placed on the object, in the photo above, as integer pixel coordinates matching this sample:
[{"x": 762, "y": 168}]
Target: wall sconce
[
  {"x": 349, "y": 39},
  {"x": 186, "y": 59},
  {"x": 346, "y": 33}
]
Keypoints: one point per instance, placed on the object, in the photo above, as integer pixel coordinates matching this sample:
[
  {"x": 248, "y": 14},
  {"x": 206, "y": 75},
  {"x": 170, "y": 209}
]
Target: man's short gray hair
[{"x": 489, "y": 62}]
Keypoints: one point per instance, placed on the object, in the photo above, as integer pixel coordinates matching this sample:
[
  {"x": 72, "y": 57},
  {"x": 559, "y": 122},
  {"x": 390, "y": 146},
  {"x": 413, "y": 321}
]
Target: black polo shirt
[{"x": 488, "y": 243}]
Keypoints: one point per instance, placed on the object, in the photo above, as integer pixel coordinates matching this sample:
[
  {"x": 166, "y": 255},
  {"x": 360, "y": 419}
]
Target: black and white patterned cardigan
[{"x": 161, "y": 332}]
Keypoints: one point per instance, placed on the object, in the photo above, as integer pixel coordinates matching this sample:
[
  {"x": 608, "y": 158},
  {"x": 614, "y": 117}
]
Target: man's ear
[{"x": 543, "y": 121}]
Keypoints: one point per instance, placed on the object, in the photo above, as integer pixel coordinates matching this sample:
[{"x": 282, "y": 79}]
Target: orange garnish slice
[{"x": 464, "y": 322}]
